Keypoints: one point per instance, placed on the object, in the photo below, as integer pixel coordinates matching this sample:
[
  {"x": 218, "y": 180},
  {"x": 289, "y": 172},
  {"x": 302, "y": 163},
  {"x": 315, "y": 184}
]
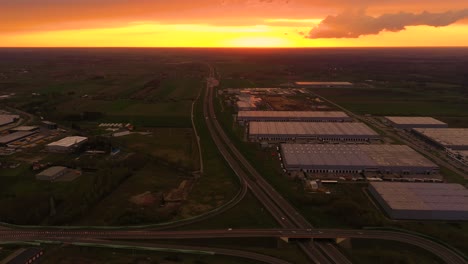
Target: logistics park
[
  {"x": 89, "y": 156},
  {"x": 388, "y": 164},
  {"x": 329, "y": 147}
]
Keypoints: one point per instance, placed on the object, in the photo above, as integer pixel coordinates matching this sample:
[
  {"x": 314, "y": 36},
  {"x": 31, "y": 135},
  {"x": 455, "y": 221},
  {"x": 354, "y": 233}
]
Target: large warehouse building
[
  {"x": 324, "y": 84},
  {"x": 288, "y": 116},
  {"x": 422, "y": 201},
  {"x": 406, "y": 122},
  {"x": 450, "y": 138},
  {"x": 287, "y": 131},
  {"x": 10, "y": 138},
  {"x": 321, "y": 158},
  {"x": 67, "y": 144}
]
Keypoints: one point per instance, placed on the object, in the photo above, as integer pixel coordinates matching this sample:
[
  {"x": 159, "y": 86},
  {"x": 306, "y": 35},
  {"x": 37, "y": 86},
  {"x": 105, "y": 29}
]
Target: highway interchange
[{"x": 316, "y": 243}]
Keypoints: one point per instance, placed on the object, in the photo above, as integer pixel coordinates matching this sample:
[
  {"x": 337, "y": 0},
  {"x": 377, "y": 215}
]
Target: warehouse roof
[
  {"x": 306, "y": 128},
  {"x": 396, "y": 156},
  {"x": 414, "y": 120},
  {"x": 323, "y": 83},
  {"x": 68, "y": 141},
  {"x": 292, "y": 114},
  {"x": 7, "y": 119},
  {"x": 15, "y": 136},
  {"x": 446, "y": 136},
  {"x": 423, "y": 196},
  {"x": 25, "y": 128},
  {"x": 319, "y": 154},
  {"x": 353, "y": 155},
  {"x": 52, "y": 171}
]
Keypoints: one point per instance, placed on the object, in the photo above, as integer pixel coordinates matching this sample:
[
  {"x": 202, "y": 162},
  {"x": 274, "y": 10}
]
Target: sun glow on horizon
[
  {"x": 147, "y": 34},
  {"x": 259, "y": 42}
]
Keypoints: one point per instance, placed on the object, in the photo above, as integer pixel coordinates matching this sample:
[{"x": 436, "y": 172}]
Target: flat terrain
[
  {"x": 153, "y": 178},
  {"x": 392, "y": 82}
]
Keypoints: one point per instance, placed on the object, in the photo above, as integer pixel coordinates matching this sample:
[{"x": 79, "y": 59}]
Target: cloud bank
[{"x": 353, "y": 24}]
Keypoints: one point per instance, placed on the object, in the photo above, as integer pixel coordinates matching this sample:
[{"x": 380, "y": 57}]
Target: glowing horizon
[{"x": 244, "y": 23}]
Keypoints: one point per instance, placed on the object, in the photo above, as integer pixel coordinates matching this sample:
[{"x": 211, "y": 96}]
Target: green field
[
  {"x": 174, "y": 146},
  {"x": 218, "y": 184},
  {"x": 79, "y": 254},
  {"x": 447, "y": 105},
  {"x": 388, "y": 252},
  {"x": 155, "y": 94},
  {"x": 118, "y": 209}
]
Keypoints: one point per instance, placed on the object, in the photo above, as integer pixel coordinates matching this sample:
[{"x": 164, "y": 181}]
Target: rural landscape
[{"x": 123, "y": 155}]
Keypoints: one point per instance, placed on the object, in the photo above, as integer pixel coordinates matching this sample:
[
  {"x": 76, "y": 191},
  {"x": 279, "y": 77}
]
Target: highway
[
  {"x": 447, "y": 255},
  {"x": 186, "y": 249},
  {"x": 316, "y": 243},
  {"x": 285, "y": 214}
]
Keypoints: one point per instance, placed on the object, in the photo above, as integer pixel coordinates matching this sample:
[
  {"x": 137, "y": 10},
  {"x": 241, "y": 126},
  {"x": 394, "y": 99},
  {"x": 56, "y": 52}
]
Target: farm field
[
  {"x": 154, "y": 175},
  {"x": 80, "y": 89}
]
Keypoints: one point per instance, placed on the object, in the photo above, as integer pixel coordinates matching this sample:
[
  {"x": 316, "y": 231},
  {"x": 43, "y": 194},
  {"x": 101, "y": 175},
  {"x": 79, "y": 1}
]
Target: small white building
[
  {"x": 68, "y": 144},
  {"x": 52, "y": 173}
]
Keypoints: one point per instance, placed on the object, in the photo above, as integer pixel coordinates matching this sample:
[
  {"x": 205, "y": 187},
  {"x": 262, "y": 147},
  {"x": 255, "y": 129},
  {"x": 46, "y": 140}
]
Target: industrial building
[
  {"x": 408, "y": 122},
  {"x": 244, "y": 106},
  {"x": 288, "y": 116},
  {"x": 50, "y": 125},
  {"x": 448, "y": 138},
  {"x": 8, "y": 119},
  {"x": 422, "y": 201},
  {"x": 10, "y": 138},
  {"x": 321, "y": 158},
  {"x": 324, "y": 84},
  {"x": 247, "y": 102},
  {"x": 24, "y": 128},
  {"x": 290, "y": 131},
  {"x": 52, "y": 173},
  {"x": 68, "y": 144}
]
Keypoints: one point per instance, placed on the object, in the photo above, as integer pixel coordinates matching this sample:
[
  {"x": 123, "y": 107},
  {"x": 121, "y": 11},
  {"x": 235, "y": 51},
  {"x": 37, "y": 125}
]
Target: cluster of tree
[
  {"x": 97, "y": 143},
  {"x": 34, "y": 208},
  {"x": 83, "y": 116}
]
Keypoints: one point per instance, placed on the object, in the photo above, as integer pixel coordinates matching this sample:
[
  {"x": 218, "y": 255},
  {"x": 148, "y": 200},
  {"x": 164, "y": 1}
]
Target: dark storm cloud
[{"x": 353, "y": 24}]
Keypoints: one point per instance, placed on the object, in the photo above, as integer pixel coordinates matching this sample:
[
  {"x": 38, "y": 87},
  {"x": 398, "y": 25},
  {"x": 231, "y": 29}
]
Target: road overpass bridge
[{"x": 446, "y": 254}]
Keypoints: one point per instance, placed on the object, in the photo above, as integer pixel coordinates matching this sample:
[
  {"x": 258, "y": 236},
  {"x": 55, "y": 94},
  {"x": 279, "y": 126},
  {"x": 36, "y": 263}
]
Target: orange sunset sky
[{"x": 233, "y": 23}]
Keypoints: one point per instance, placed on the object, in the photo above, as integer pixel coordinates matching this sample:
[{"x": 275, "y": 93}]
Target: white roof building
[
  {"x": 425, "y": 201},
  {"x": 451, "y": 138},
  {"x": 415, "y": 122},
  {"x": 66, "y": 144},
  {"x": 280, "y": 131},
  {"x": 355, "y": 158},
  {"x": 302, "y": 116}
]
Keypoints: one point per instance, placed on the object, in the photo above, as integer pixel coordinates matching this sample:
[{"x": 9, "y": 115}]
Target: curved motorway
[
  {"x": 447, "y": 255},
  {"x": 294, "y": 225},
  {"x": 286, "y": 214}
]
